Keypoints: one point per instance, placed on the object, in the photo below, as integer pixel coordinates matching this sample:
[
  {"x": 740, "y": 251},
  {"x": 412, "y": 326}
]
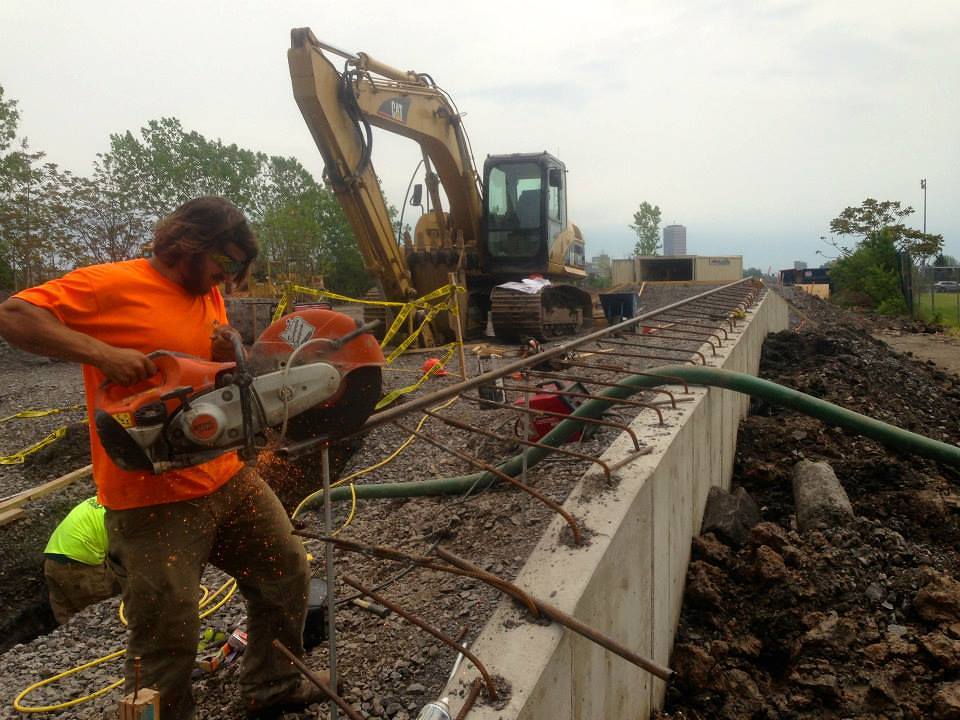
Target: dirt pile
[{"x": 857, "y": 620}]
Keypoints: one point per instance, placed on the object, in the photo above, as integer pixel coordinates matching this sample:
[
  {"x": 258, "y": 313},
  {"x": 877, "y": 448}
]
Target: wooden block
[
  {"x": 9, "y": 515},
  {"x": 45, "y": 489},
  {"x": 146, "y": 706}
]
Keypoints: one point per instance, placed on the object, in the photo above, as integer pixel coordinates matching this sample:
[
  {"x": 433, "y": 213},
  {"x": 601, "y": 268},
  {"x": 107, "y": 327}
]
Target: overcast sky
[{"x": 752, "y": 123}]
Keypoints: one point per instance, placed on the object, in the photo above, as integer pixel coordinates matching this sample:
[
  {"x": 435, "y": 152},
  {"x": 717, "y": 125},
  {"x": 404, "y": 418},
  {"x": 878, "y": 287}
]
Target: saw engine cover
[{"x": 313, "y": 370}]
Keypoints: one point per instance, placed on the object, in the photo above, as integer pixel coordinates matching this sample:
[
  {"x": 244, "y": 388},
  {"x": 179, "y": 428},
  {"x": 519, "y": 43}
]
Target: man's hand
[
  {"x": 222, "y": 348},
  {"x": 124, "y": 366}
]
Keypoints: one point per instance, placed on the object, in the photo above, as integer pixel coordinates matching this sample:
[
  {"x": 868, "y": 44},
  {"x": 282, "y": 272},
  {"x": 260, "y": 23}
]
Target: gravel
[{"x": 389, "y": 668}]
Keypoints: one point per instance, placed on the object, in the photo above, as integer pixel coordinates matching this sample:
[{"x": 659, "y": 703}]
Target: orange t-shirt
[{"x": 131, "y": 305}]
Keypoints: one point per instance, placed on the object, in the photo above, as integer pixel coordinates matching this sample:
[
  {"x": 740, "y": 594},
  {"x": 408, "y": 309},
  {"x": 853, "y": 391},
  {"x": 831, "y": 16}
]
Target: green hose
[{"x": 829, "y": 413}]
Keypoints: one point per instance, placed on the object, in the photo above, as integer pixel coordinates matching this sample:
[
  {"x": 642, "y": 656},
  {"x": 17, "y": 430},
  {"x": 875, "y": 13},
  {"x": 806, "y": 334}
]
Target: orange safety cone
[{"x": 431, "y": 363}]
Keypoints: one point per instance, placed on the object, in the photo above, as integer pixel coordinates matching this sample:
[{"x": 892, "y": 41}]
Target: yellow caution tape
[
  {"x": 449, "y": 292},
  {"x": 440, "y": 300},
  {"x": 281, "y": 306},
  {"x": 18, "y": 457},
  {"x": 394, "y": 394},
  {"x": 40, "y": 413}
]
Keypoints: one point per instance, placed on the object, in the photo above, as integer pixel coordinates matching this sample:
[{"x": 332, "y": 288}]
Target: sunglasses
[{"x": 229, "y": 265}]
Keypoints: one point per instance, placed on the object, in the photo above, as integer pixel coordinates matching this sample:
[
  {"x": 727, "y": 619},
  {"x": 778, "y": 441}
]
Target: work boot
[{"x": 302, "y": 695}]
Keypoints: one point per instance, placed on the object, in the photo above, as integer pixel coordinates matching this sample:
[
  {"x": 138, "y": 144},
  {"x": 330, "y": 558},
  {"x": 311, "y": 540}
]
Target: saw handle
[{"x": 182, "y": 394}]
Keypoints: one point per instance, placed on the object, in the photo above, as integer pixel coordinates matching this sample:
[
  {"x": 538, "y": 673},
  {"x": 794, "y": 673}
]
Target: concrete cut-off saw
[{"x": 315, "y": 373}]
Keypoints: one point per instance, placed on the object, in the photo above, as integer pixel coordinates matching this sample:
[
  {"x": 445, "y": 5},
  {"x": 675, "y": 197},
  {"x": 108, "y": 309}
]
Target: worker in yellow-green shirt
[{"x": 75, "y": 568}]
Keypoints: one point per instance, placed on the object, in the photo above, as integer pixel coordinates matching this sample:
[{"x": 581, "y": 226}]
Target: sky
[{"x": 751, "y": 123}]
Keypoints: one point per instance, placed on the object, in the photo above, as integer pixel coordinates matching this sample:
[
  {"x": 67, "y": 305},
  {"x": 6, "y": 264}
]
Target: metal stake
[{"x": 331, "y": 580}]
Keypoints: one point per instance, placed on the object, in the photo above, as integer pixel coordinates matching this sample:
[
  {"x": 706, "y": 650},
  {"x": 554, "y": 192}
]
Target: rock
[
  {"x": 824, "y": 686},
  {"x": 702, "y": 580},
  {"x": 944, "y": 650},
  {"x": 694, "y": 666},
  {"x": 875, "y": 593},
  {"x": 939, "y": 600},
  {"x": 708, "y": 547},
  {"x": 946, "y": 702},
  {"x": 747, "y": 646},
  {"x": 926, "y": 506},
  {"x": 878, "y": 652},
  {"x": 730, "y": 515},
  {"x": 822, "y": 627},
  {"x": 820, "y": 498},
  {"x": 771, "y": 534},
  {"x": 768, "y": 564}
]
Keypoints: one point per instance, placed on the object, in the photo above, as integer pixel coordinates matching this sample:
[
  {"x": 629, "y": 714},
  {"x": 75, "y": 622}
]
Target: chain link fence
[{"x": 933, "y": 292}]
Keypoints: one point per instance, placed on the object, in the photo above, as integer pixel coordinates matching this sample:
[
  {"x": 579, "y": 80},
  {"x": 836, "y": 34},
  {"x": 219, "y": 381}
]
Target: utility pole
[
  {"x": 933, "y": 273},
  {"x": 923, "y": 186}
]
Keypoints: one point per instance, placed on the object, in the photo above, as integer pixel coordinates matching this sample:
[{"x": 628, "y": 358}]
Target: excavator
[{"x": 505, "y": 237}]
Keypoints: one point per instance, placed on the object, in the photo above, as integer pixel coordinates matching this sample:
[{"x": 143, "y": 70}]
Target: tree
[
  {"x": 142, "y": 178},
  {"x": 946, "y": 261},
  {"x": 872, "y": 216},
  {"x": 646, "y": 224},
  {"x": 32, "y": 217},
  {"x": 308, "y": 235},
  {"x": 871, "y": 274}
]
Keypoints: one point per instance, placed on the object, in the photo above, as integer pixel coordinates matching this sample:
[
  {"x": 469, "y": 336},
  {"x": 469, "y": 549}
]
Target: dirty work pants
[
  {"x": 159, "y": 552},
  {"x": 75, "y": 585}
]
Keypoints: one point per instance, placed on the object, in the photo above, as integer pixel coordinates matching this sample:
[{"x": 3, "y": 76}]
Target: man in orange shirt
[{"x": 163, "y": 529}]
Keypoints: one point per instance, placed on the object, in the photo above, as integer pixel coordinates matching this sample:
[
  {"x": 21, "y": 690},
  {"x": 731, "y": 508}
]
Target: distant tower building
[
  {"x": 675, "y": 240},
  {"x": 799, "y": 265},
  {"x": 599, "y": 265}
]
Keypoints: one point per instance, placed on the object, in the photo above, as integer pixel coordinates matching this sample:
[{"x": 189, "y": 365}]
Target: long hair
[{"x": 205, "y": 224}]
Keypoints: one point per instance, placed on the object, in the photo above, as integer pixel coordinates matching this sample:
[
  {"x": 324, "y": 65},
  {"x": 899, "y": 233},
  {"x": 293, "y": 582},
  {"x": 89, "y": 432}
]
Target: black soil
[{"x": 854, "y": 621}]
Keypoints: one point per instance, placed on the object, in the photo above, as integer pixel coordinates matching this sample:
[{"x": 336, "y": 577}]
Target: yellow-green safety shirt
[{"x": 82, "y": 535}]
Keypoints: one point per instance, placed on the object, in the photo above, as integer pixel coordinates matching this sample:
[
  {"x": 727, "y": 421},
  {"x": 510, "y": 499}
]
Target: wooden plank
[
  {"x": 48, "y": 487},
  {"x": 8, "y": 516}
]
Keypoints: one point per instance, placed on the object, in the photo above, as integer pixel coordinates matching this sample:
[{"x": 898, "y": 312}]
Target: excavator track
[{"x": 555, "y": 311}]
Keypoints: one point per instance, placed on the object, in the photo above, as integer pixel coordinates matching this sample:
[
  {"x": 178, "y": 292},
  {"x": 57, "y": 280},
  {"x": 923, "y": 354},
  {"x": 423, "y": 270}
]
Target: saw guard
[
  {"x": 306, "y": 333},
  {"x": 305, "y": 336}
]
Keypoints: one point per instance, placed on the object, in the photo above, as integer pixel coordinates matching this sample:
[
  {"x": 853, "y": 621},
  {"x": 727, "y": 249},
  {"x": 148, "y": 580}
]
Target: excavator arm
[{"x": 340, "y": 107}]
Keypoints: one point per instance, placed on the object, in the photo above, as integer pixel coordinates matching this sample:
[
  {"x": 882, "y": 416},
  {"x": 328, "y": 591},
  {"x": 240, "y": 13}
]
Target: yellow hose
[
  {"x": 70, "y": 703},
  {"x": 352, "y": 476},
  {"x": 207, "y": 596},
  {"x": 228, "y": 589}
]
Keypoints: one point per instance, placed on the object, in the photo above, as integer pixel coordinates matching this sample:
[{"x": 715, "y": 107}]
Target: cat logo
[{"x": 395, "y": 109}]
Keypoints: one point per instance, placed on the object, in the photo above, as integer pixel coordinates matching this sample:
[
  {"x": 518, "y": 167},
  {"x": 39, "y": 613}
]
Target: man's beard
[{"x": 194, "y": 279}]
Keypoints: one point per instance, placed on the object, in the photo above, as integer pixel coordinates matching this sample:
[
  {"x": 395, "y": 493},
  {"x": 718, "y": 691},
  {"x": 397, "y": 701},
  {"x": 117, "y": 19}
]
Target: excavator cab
[{"x": 525, "y": 214}]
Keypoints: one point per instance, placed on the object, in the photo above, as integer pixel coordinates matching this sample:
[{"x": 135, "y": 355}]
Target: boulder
[
  {"x": 820, "y": 499},
  {"x": 730, "y": 516}
]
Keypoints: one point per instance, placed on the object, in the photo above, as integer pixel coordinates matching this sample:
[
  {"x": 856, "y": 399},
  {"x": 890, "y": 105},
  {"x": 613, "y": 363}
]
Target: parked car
[{"x": 947, "y": 286}]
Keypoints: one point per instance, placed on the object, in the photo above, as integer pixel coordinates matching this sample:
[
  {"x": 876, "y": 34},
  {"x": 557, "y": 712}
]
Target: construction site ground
[{"x": 836, "y": 632}]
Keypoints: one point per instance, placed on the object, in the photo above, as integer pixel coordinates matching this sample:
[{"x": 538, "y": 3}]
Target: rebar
[
  {"x": 556, "y": 507},
  {"x": 581, "y": 379},
  {"x": 427, "y": 627},
  {"x": 628, "y": 343},
  {"x": 587, "y": 396},
  {"x": 471, "y": 698},
  {"x": 570, "y": 622},
  {"x": 315, "y": 679},
  {"x": 551, "y": 413},
  {"x": 529, "y": 443}
]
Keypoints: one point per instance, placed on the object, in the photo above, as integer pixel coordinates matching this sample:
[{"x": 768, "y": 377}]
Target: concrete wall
[
  {"x": 628, "y": 580},
  {"x": 721, "y": 268},
  {"x": 623, "y": 271}
]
